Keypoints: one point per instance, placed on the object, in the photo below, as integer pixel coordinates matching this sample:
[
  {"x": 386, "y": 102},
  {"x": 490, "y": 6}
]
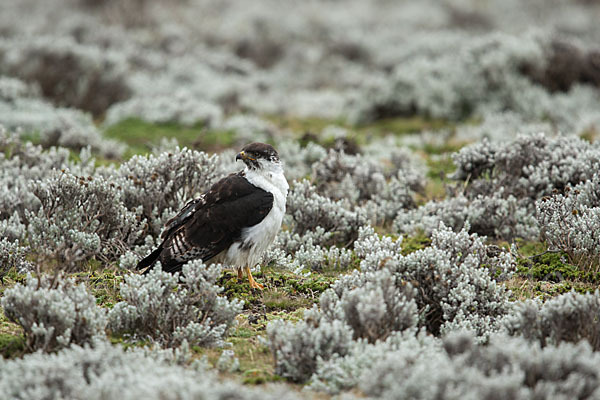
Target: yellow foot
[
  {"x": 256, "y": 285},
  {"x": 253, "y": 283}
]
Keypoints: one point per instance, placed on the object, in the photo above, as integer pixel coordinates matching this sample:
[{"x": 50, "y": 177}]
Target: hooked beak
[{"x": 243, "y": 156}]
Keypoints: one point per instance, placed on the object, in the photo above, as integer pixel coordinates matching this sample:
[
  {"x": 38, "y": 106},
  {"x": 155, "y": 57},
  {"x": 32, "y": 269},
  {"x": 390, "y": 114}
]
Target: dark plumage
[
  {"x": 211, "y": 223},
  {"x": 216, "y": 226}
]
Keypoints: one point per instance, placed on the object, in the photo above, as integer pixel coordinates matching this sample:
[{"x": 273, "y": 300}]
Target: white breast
[{"x": 263, "y": 233}]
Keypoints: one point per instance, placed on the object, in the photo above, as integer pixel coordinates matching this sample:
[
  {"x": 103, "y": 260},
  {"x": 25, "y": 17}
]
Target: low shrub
[
  {"x": 96, "y": 78},
  {"x": 161, "y": 184},
  {"x": 504, "y": 368},
  {"x": 373, "y": 304},
  {"x": 12, "y": 256},
  {"x": 54, "y": 313},
  {"x": 297, "y": 347},
  {"x": 310, "y": 210},
  {"x": 172, "y": 308},
  {"x": 107, "y": 371},
  {"x": 570, "y": 317},
  {"x": 570, "y": 222},
  {"x": 81, "y": 218}
]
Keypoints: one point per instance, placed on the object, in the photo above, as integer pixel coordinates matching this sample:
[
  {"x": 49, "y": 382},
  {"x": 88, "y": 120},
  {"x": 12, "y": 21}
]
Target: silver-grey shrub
[
  {"x": 505, "y": 368},
  {"x": 454, "y": 289},
  {"x": 366, "y": 306},
  {"x": 373, "y": 304},
  {"x": 12, "y": 228},
  {"x": 96, "y": 78},
  {"x": 368, "y": 182},
  {"x": 12, "y": 256},
  {"x": 570, "y": 317},
  {"x": 298, "y": 159},
  {"x": 442, "y": 288},
  {"x": 81, "y": 218},
  {"x": 529, "y": 167},
  {"x": 110, "y": 372},
  {"x": 375, "y": 250},
  {"x": 161, "y": 184},
  {"x": 493, "y": 216},
  {"x": 353, "y": 177},
  {"x": 298, "y": 347},
  {"x": 172, "y": 308},
  {"x": 341, "y": 373},
  {"x": 54, "y": 313},
  {"x": 570, "y": 222},
  {"x": 394, "y": 198},
  {"x": 294, "y": 252},
  {"x": 21, "y": 108},
  {"x": 309, "y": 210},
  {"x": 23, "y": 162},
  {"x": 459, "y": 76},
  {"x": 179, "y": 107},
  {"x": 499, "y": 185}
]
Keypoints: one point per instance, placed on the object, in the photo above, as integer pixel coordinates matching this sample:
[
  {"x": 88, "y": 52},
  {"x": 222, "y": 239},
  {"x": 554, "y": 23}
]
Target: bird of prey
[{"x": 233, "y": 223}]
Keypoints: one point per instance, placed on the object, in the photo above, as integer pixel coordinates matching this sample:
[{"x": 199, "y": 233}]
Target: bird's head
[{"x": 260, "y": 156}]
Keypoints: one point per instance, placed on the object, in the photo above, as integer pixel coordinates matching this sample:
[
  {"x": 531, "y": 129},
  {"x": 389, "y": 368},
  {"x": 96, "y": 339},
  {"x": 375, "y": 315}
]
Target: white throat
[{"x": 270, "y": 178}]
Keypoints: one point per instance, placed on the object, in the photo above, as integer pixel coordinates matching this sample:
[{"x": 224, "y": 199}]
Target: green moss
[
  {"x": 440, "y": 167},
  {"x": 141, "y": 136},
  {"x": 538, "y": 264},
  {"x": 284, "y": 301},
  {"x": 242, "y": 332},
  {"x": 445, "y": 149},
  {"x": 312, "y": 285},
  {"x": 259, "y": 377},
  {"x": 523, "y": 288},
  {"x": 255, "y": 358},
  {"x": 12, "y": 346},
  {"x": 543, "y": 274},
  {"x": 102, "y": 282},
  {"x": 282, "y": 289},
  {"x": 12, "y": 341},
  {"x": 34, "y": 137},
  {"x": 546, "y": 291},
  {"x": 361, "y": 132},
  {"x": 11, "y": 278},
  {"x": 241, "y": 290},
  {"x": 127, "y": 343},
  {"x": 404, "y": 125},
  {"x": 530, "y": 248},
  {"x": 590, "y": 135},
  {"x": 410, "y": 244},
  {"x": 548, "y": 267},
  {"x": 304, "y": 125}
]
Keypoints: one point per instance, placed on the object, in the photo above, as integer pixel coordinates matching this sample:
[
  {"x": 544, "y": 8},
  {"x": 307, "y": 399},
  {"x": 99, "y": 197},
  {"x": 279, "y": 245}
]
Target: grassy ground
[
  {"x": 286, "y": 295},
  {"x": 142, "y": 136}
]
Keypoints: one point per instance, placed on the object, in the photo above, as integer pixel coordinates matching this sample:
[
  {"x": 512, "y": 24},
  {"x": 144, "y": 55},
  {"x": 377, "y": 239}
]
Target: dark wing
[
  {"x": 170, "y": 227},
  {"x": 186, "y": 213},
  {"x": 208, "y": 225}
]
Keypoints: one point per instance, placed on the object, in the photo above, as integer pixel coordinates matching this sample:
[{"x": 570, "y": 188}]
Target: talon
[
  {"x": 256, "y": 285},
  {"x": 253, "y": 283}
]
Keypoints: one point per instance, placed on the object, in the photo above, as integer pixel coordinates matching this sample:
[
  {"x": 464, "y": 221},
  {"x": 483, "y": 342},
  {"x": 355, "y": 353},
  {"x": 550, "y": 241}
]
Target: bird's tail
[{"x": 150, "y": 260}]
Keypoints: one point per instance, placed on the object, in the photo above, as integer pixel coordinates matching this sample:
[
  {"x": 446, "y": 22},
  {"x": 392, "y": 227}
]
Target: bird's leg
[
  {"x": 240, "y": 272},
  {"x": 253, "y": 283}
]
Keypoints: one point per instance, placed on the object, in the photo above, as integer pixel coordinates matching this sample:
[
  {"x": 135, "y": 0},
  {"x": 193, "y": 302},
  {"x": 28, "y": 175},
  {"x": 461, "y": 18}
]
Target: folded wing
[{"x": 210, "y": 224}]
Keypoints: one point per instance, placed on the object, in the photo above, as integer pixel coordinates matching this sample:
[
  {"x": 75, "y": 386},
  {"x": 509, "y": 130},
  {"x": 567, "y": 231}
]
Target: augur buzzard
[{"x": 234, "y": 222}]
